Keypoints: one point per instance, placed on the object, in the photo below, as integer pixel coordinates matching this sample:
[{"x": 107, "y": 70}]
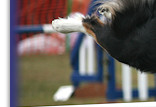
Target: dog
[{"x": 127, "y": 33}]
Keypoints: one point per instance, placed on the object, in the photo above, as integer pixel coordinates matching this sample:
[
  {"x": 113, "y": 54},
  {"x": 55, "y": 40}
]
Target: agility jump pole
[
  {"x": 46, "y": 28},
  {"x": 86, "y": 56},
  {"x": 127, "y": 84}
]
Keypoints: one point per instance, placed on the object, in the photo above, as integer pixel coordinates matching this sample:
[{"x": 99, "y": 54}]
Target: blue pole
[
  {"x": 100, "y": 64},
  {"x": 29, "y": 29},
  {"x": 111, "y": 85},
  {"x": 74, "y": 59}
]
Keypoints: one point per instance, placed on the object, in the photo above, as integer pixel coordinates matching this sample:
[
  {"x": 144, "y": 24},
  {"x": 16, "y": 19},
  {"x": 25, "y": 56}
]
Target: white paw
[
  {"x": 63, "y": 25},
  {"x": 68, "y": 25},
  {"x": 57, "y": 25}
]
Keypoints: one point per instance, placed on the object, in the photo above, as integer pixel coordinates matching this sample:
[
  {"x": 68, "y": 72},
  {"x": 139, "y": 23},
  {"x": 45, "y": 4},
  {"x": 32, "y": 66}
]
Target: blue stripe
[{"x": 13, "y": 58}]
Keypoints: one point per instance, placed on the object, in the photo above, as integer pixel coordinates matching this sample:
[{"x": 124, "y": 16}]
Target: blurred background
[{"x": 48, "y": 61}]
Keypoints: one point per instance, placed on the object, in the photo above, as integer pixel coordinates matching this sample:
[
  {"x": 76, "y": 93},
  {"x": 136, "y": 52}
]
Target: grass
[{"x": 40, "y": 76}]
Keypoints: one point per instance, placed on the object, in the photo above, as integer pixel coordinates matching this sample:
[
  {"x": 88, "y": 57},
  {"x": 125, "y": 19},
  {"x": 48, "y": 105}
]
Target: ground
[{"x": 41, "y": 75}]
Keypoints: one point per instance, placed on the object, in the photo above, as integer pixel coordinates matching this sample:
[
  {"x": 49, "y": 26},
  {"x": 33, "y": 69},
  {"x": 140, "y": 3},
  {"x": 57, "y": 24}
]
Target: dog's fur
[{"x": 128, "y": 33}]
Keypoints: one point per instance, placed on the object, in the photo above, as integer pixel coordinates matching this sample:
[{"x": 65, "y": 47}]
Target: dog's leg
[{"x": 78, "y": 23}]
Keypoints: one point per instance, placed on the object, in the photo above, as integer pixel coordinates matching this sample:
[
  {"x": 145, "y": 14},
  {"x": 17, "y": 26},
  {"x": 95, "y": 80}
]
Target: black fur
[{"x": 131, "y": 36}]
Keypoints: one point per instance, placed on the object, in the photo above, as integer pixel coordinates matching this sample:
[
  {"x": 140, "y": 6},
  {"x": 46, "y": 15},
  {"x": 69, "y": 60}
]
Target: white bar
[
  {"x": 143, "y": 86},
  {"x": 126, "y": 83},
  {"x": 90, "y": 54},
  {"x": 82, "y": 58},
  {"x": 140, "y": 104}
]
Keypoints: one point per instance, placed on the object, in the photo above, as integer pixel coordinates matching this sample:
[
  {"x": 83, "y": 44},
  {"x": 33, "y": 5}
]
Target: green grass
[{"x": 40, "y": 76}]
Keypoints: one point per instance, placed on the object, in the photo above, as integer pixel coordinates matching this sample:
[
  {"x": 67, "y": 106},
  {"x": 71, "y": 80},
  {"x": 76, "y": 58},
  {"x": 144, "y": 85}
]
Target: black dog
[{"x": 128, "y": 33}]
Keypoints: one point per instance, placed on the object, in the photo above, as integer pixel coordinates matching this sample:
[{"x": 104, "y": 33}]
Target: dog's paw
[
  {"x": 68, "y": 25},
  {"x": 57, "y": 25},
  {"x": 62, "y": 25}
]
